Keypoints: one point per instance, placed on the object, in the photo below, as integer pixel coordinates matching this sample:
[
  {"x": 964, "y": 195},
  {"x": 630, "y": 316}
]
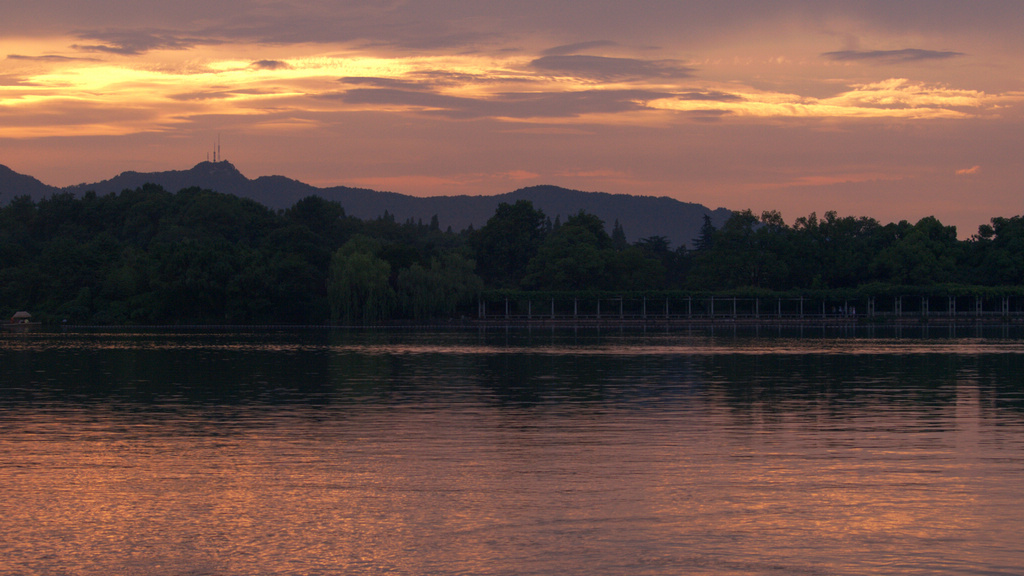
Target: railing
[{"x": 718, "y": 308}]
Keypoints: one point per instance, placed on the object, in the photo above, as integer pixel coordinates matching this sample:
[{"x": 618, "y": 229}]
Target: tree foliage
[
  {"x": 506, "y": 244},
  {"x": 149, "y": 256},
  {"x": 359, "y": 288},
  {"x": 438, "y": 290}
]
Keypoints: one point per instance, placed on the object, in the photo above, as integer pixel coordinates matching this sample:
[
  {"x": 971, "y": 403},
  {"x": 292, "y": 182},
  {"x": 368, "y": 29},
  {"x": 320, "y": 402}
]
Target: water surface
[{"x": 512, "y": 452}]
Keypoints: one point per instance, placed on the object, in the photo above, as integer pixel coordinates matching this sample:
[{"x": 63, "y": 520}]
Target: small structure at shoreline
[{"x": 21, "y": 322}]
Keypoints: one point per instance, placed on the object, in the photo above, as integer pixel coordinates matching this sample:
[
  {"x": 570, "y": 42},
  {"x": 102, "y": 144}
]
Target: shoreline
[{"x": 575, "y": 323}]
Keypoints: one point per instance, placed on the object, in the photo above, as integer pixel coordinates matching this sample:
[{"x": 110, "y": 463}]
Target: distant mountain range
[
  {"x": 13, "y": 184},
  {"x": 640, "y": 216}
]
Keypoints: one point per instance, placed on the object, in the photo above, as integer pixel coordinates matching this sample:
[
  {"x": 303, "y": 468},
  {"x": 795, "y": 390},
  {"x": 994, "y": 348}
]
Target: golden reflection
[
  {"x": 454, "y": 453},
  {"x": 703, "y": 490}
]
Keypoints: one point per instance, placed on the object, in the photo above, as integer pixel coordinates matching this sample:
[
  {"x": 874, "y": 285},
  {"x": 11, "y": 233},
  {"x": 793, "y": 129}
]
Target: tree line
[{"x": 149, "y": 256}]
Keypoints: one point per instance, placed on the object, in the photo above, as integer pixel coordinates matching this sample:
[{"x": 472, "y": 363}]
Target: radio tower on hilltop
[{"x": 216, "y": 152}]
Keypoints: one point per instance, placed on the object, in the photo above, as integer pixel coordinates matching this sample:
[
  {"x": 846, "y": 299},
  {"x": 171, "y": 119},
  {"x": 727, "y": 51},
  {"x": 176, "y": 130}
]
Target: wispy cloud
[
  {"x": 902, "y": 94},
  {"x": 64, "y": 117},
  {"x": 602, "y": 68},
  {"x": 709, "y": 96},
  {"x": 517, "y": 105},
  {"x": 435, "y": 80},
  {"x": 519, "y": 175},
  {"x": 706, "y": 115},
  {"x": 577, "y": 47},
  {"x": 137, "y": 42},
  {"x": 51, "y": 58},
  {"x": 391, "y": 83},
  {"x": 968, "y": 171},
  {"x": 555, "y": 88},
  {"x": 891, "y": 56},
  {"x": 11, "y": 80},
  {"x": 219, "y": 94},
  {"x": 892, "y": 98}
]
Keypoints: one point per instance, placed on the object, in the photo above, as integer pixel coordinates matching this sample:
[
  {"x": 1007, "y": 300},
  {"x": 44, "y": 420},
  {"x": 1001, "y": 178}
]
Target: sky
[{"x": 893, "y": 110}]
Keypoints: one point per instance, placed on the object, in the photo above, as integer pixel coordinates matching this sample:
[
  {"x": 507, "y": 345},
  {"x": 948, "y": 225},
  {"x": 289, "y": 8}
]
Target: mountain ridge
[{"x": 640, "y": 216}]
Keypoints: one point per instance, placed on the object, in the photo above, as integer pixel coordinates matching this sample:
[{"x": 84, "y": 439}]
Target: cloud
[
  {"x": 12, "y": 80},
  {"x": 608, "y": 69},
  {"x": 578, "y": 47},
  {"x": 455, "y": 78},
  {"x": 270, "y": 65},
  {"x": 135, "y": 43},
  {"x": 706, "y": 115},
  {"x": 430, "y": 80},
  {"x": 520, "y": 105},
  {"x": 218, "y": 94},
  {"x": 890, "y": 56},
  {"x": 710, "y": 96},
  {"x": 900, "y": 93},
  {"x": 519, "y": 175},
  {"x": 50, "y": 58},
  {"x": 833, "y": 179},
  {"x": 74, "y": 118},
  {"x": 376, "y": 82},
  {"x": 892, "y": 98},
  {"x": 968, "y": 171}
]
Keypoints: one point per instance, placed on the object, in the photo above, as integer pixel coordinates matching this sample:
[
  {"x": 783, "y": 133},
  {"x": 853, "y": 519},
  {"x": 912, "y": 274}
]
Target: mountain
[
  {"x": 640, "y": 216},
  {"x": 13, "y": 184}
]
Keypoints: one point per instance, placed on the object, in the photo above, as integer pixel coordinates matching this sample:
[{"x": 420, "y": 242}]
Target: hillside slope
[{"x": 640, "y": 216}]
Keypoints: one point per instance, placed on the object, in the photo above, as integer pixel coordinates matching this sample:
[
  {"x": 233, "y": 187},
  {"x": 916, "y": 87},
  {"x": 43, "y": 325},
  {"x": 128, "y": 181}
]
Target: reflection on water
[{"x": 512, "y": 452}]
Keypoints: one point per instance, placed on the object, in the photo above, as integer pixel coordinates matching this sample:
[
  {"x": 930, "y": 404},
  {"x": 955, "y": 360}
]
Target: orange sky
[{"x": 890, "y": 110}]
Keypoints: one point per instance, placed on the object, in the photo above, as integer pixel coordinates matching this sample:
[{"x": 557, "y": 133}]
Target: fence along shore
[{"x": 751, "y": 310}]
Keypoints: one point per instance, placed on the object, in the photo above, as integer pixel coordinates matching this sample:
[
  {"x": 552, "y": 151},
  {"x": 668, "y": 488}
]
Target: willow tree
[
  {"x": 438, "y": 290},
  {"x": 359, "y": 290}
]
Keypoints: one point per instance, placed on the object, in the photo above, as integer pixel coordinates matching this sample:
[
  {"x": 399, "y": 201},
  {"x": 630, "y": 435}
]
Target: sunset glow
[{"x": 674, "y": 103}]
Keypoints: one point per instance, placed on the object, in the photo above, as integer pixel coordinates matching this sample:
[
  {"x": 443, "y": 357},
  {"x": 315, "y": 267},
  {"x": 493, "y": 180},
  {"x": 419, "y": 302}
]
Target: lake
[{"x": 764, "y": 451}]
